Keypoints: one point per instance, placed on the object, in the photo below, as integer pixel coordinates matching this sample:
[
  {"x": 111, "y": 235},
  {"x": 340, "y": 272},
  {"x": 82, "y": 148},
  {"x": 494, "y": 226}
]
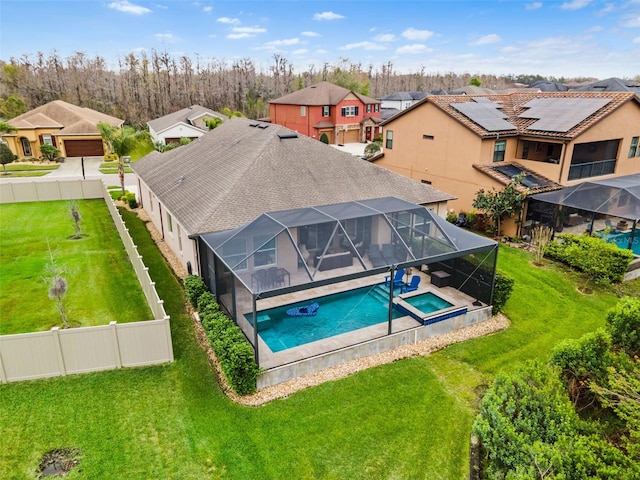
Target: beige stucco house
[
  {"x": 71, "y": 129},
  {"x": 461, "y": 144}
]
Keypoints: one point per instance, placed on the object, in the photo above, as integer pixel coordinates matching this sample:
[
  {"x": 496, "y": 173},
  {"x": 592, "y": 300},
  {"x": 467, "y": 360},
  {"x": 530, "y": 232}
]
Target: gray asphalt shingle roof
[
  {"x": 186, "y": 115},
  {"x": 243, "y": 168}
]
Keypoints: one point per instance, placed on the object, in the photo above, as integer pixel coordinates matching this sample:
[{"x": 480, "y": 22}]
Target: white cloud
[
  {"x": 386, "y": 37},
  {"x": 207, "y": 9},
  {"x": 300, "y": 51},
  {"x": 415, "y": 34},
  {"x": 310, "y": 34},
  {"x": 636, "y": 40},
  {"x": 595, "y": 28},
  {"x": 239, "y": 36},
  {"x": 249, "y": 30},
  {"x": 327, "y": 16},
  {"x": 533, "y": 6},
  {"x": 228, "y": 21},
  {"x": 126, "y": 7},
  {"x": 167, "y": 37},
  {"x": 487, "y": 39},
  {"x": 575, "y": 4},
  {"x": 362, "y": 45},
  {"x": 631, "y": 21},
  {"x": 413, "y": 49},
  {"x": 282, "y": 43}
]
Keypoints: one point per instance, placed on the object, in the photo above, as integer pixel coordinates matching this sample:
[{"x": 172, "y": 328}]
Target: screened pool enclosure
[{"x": 297, "y": 251}]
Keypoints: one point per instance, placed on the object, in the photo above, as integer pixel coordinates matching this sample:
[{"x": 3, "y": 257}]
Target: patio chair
[
  {"x": 375, "y": 257},
  {"x": 304, "y": 311},
  {"x": 397, "y": 279},
  {"x": 388, "y": 254},
  {"x": 412, "y": 286},
  {"x": 609, "y": 225}
]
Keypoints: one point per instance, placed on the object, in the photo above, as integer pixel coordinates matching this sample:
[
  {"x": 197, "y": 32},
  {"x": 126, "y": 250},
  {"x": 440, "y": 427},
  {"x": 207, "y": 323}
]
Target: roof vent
[
  {"x": 284, "y": 136},
  {"x": 254, "y": 124},
  {"x": 263, "y": 126},
  {"x": 180, "y": 180}
]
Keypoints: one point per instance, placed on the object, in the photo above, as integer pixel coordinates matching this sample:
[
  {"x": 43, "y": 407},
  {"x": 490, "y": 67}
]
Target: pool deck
[{"x": 269, "y": 359}]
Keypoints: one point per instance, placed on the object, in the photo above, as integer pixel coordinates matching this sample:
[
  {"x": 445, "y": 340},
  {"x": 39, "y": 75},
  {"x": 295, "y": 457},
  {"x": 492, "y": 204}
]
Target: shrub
[
  {"x": 503, "y": 286},
  {"x": 110, "y": 157},
  {"x": 49, "y": 152},
  {"x": 324, "y": 138},
  {"x": 130, "y": 199},
  {"x": 600, "y": 261},
  {"x": 471, "y": 218},
  {"x": 194, "y": 287},
  {"x": 204, "y": 301},
  {"x": 623, "y": 323},
  {"x": 452, "y": 217}
]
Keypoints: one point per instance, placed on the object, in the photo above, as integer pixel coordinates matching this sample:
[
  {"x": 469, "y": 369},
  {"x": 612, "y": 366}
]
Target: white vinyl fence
[{"x": 88, "y": 349}]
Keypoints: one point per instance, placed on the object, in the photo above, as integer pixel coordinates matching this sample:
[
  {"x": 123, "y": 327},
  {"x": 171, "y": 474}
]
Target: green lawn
[
  {"x": 23, "y": 167},
  {"x": 408, "y": 419},
  {"x": 112, "y": 167},
  {"x": 102, "y": 285}
]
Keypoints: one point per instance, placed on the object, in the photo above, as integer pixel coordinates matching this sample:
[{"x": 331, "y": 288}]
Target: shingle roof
[
  {"x": 611, "y": 85},
  {"x": 512, "y": 105},
  {"x": 186, "y": 115},
  {"x": 236, "y": 172},
  {"x": 405, "y": 96},
  {"x": 70, "y": 118},
  {"x": 323, "y": 93}
]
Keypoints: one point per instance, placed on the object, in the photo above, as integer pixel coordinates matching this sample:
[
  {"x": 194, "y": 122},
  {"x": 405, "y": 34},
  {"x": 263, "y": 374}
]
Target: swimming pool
[
  {"x": 622, "y": 240},
  {"x": 338, "y": 313}
]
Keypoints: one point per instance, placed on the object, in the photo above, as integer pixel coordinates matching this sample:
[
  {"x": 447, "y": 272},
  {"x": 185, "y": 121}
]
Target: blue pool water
[
  {"x": 428, "y": 302},
  {"x": 622, "y": 240},
  {"x": 338, "y": 313}
]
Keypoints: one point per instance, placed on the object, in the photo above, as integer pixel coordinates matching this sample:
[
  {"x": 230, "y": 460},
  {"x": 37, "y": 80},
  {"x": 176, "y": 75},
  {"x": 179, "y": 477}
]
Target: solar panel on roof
[
  {"x": 561, "y": 114},
  {"x": 485, "y": 114},
  {"x": 529, "y": 180}
]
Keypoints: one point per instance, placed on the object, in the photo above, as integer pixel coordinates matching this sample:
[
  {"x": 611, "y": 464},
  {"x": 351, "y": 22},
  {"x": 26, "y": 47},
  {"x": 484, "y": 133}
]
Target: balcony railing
[{"x": 592, "y": 169}]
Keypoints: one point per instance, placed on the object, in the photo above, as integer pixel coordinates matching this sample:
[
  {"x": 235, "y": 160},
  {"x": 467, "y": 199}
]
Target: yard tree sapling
[
  {"x": 541, "y": 237},
  {"x": 6, "y": 156},
  {"x": 77, "y": 218},
  {"x": 501, "y": 204},
  {"x": 57, "y": 285}
]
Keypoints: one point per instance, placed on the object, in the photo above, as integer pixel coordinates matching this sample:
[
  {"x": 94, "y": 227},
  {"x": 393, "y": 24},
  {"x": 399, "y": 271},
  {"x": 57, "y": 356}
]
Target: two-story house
[
  {"x": 342, "y": 115},
  {"x": 461, "y": 144}
]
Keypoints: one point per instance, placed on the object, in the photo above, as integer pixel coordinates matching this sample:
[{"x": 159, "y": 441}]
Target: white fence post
[
  {"x": 116, "y": 346},
  {"x": 55, "y": 335}
]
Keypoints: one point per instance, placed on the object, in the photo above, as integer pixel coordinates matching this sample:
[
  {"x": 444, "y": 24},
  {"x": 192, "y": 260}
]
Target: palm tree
[{"x": 121, "y": 141}]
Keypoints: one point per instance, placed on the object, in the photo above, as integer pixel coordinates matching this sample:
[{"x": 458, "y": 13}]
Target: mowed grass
[
  {"x": 408, "y": 419},
  {"x": 102, "y": 285}
]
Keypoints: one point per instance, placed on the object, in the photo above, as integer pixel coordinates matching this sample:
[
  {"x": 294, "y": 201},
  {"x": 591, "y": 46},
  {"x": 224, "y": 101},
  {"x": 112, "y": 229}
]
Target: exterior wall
[
  {"x": 177, "y": 131},
  {"x": 177, "y": 238},
  {"x": 33, "y": 135}
]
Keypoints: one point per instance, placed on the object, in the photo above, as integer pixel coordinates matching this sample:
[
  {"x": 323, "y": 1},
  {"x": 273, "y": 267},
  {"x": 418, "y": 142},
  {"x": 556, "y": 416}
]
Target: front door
[
  {"x": 368, "y": 134},
  {"x": 26, "y": 147}
]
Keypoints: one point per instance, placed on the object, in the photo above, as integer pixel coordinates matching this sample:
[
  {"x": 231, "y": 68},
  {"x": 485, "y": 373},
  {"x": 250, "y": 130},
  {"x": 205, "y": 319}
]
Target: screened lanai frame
[{"x": 293, "y": 250}]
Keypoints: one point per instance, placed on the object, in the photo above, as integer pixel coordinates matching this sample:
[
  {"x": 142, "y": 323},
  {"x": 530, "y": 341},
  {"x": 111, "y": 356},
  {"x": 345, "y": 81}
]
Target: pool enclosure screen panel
[
  {"x": 292, "y": 248},
  {"x": 618, "y": 197}
]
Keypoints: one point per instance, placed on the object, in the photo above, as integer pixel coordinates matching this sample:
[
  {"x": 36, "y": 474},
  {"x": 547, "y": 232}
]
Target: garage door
[
  {"x": 83, "y": 148},
  {"x": 350, "y": 136}
]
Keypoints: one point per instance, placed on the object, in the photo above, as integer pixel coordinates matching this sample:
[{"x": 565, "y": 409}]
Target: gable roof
[
  {"x": 405, "y": 96},
  {"x": 320, "y": 94},
  {"x": 186, "y": 115},
  {"x": 563, "y": 115},
  {"x": 243, "y": 168},
  {"x": 69, "y": 118}
]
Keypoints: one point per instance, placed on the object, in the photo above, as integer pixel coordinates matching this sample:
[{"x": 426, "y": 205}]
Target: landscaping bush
[
  {"x": 130, "y": 199},
  {"x": 194, "y": 287},
  {"x": 502, "y": 289},
  {"x": 602, "y": 262},
  {"x": 623, "y": 322},
  {"x": 232, "y": 349}
]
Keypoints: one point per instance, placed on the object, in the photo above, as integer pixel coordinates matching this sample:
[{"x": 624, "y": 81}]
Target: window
[
  {"x": 525, "y": 149},
  {"x": 179, "y": 238},
  {"x": 634, "y": 150},
  {"x": 369, "y": 108},
  {"x": 265, "y": 247},
  {"x": 427, "y": 137},
  {"x": 377, "y": 108},
  {"x": 46, "y": 139},
  {"x": 498, "y": 150},
  {"x": 150, "y": 202},
  {"x": 303, "y": 111},
  {"x": 169, "y": 222},
  {"x": 389, "y": 143},
  {"x": 326, "y": 111},
  {"x": 351, "y": 111}
]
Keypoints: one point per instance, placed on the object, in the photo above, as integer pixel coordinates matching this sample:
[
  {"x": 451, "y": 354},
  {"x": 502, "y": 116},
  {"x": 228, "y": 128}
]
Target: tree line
[{"x": 145, "y": 85}]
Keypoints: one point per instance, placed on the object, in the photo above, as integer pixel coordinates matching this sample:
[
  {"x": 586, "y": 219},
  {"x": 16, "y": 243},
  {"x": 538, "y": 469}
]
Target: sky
[{"x": 572, "y": 38}]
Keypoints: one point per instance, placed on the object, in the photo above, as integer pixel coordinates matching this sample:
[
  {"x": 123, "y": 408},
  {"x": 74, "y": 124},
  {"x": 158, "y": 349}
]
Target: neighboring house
[
  {"x": 244, "y": 168},
  {"x": 610, "y": 85},
  {"x": 461, "y": 144},
  {"x": 186, "y": 123},
  {"x": 398, "y": 101},
  {"x": 343, "y": 115},
  {"x": 71, "y": 129}
]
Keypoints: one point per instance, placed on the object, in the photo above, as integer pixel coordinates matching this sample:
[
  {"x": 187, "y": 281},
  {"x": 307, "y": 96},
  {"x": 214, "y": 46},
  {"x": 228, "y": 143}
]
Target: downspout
[
  {"x": 564, "y": 157},
  {"x": 161, "y": 222}
]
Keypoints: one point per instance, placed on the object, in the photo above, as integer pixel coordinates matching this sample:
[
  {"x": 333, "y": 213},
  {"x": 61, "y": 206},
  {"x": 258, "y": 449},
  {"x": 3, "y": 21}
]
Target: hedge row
[
  {"x": 602, "y": 262},
  {"x": 232, "y": 349}
]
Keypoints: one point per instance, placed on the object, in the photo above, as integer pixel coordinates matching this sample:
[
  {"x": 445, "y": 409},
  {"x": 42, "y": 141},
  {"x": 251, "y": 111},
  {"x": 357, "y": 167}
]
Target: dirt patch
[{"x": 58, "y": 462}]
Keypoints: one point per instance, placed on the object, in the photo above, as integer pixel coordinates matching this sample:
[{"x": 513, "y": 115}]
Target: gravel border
[{"x": 495, "y": 324}]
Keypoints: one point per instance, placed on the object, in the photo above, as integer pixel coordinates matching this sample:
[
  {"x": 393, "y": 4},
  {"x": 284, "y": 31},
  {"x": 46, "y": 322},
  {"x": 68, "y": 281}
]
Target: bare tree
[{"x": 57, "y": 285}]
